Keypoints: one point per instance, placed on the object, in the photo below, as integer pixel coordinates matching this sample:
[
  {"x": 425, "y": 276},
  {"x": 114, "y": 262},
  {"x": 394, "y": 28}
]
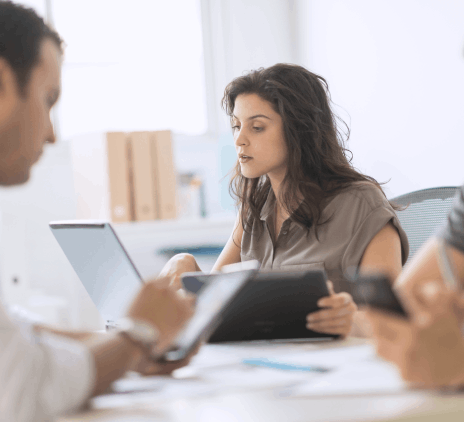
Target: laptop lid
[{"x": 101, "y": 263}]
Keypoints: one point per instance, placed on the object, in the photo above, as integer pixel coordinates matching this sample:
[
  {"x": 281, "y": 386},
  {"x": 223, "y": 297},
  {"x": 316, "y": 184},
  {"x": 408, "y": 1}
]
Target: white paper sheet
[{"x": 357, "y": 378}]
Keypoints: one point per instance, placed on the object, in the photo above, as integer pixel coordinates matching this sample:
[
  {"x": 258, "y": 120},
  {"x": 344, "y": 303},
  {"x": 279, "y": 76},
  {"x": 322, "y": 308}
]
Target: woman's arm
[
  {"x": 341, "y": 316},
  {"x": 383, "y": 254}
]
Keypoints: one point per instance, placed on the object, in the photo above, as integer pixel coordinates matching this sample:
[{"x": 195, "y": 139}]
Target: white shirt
[{"x": 41, "y": 375}]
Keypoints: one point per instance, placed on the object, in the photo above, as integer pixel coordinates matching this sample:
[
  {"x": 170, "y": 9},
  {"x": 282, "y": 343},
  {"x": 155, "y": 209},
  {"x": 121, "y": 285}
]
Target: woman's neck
[
  {"x": 283, "y": 210},
  {"x": 280, "y": 210},
  {"x": 276, "y": 183}
]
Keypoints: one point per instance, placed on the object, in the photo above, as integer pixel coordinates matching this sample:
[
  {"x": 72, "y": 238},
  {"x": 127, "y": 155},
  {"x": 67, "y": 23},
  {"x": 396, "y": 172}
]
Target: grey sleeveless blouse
[{"x": 355, "y": 216}]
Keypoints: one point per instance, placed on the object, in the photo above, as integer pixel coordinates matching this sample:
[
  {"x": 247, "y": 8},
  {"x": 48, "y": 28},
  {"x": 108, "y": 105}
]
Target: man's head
[{"x": 30, "y": 66}]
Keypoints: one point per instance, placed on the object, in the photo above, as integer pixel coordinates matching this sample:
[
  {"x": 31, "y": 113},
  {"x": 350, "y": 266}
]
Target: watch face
[{"x": 145, "y": 332}]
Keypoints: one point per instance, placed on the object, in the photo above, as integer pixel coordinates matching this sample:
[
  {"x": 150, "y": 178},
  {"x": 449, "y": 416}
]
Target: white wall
[
  {"x": 241, "y": 35},
  {"x": 396, "y": 68}
]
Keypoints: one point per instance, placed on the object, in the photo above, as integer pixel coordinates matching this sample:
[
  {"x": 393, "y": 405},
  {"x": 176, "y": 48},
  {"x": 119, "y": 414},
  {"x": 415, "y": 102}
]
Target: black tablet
[
  {"x": 273, "y": 306},
  {"x": 212, "y": 303}
]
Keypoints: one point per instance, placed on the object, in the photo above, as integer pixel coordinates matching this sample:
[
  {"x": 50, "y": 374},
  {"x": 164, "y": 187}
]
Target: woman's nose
[{"x": 240, "y": 139}]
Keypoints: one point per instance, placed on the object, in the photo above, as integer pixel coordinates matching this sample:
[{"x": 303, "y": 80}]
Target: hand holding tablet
[{"x": 273, "y": 306}]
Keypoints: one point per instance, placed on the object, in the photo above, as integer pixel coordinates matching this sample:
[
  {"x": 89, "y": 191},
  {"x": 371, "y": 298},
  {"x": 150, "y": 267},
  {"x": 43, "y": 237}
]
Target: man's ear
[
  {"x": 8, "y": 83},
  {"x": 9, "y": 94}
]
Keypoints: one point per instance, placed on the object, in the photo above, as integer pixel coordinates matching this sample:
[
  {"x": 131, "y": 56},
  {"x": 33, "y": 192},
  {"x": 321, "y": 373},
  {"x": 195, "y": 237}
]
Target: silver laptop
[{"x": 101, "y": 263}]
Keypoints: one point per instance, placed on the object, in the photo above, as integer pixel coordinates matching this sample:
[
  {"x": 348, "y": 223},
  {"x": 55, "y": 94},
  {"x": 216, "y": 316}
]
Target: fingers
[
  {"x": 389, "y": 331},
  {"x": 338, "y": 316},
  {"x": 330, "y": 286},
  {"x": 394, "y": 338},
  {"x": 176, "y": 282},
  {"x": 150, "y": 367},
  {"x": 422, "y": 295},
  {"x": 431, "y": 300},
  {"x": 331, "y": 313},
  {"x": 161, "y": 281},
  {"x": 335, "y": 301},
  {"x": 379, "y": 319},
  {"x": 341, "y": 326}
]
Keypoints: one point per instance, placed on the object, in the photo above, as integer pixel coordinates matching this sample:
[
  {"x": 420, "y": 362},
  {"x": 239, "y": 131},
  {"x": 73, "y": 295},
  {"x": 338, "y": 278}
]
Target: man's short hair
[{"x": 22, "y": 31}]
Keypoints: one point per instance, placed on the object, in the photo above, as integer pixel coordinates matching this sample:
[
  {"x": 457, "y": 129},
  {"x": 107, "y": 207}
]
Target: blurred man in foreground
[
  {"x": 429, "y": 348},
  {"x": 44, "y": 372}
]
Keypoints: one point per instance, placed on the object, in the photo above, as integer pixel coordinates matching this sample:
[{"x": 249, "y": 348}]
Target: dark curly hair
[
  {"x": 319, "y": 164},
  {"x": 21, "y": 34}
]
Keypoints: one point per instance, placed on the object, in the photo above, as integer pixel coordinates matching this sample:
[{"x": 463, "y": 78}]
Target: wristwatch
[{"x": 139, "y": 332}]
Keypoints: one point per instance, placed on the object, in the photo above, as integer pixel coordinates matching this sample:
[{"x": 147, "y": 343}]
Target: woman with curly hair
[{"x": 302, "y": 205}]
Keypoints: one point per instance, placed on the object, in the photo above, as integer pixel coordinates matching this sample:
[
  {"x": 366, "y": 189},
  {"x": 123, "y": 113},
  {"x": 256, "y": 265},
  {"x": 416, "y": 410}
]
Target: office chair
[{"x": 426, "y": 210}]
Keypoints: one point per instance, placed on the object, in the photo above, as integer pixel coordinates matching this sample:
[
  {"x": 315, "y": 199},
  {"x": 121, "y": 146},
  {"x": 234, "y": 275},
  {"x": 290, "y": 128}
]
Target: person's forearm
[
  {"x": 113, "y": 355},
  {"x": 75, "y": 335},
  {"x": 424, "y": 266}
]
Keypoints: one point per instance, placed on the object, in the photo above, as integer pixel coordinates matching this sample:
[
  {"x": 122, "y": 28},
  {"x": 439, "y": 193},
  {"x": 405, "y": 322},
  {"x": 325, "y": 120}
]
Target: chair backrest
[{"x": 426, "y": 211}]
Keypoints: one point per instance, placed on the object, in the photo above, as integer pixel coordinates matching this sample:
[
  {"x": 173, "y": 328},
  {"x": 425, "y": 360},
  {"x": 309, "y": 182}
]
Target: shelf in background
[{"x": 146, "y": 240}]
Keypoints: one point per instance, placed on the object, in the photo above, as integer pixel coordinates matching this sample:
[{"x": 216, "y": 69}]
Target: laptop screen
[{"x": 101, "y": 263}]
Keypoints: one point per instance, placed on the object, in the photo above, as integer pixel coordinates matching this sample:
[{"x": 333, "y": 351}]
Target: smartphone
[{"x": 376, "y": 291}]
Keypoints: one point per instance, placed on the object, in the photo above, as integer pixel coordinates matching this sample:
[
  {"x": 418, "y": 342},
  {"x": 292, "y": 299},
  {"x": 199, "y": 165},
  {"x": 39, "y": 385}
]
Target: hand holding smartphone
[{"x": 376, "y": 291}]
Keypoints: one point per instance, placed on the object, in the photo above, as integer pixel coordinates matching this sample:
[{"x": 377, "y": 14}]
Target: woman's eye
[
  {"x": 258, "y": 129},
  {"x": 234, "y": 128}
]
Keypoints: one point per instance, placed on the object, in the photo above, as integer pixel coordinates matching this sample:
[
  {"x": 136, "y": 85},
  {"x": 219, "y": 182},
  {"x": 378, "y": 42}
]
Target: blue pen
[{"x": 266, "y": 363}]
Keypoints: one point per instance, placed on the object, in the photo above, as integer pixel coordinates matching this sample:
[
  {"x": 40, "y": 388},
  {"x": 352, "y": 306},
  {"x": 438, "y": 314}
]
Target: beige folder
[
  {"x": 118, "y": 172},
  {"x": 143, "y": 176},
  {"x": 163, "y": 162}
]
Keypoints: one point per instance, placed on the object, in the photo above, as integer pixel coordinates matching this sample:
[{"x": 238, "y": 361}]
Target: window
[{"x": 130, "y": 66}]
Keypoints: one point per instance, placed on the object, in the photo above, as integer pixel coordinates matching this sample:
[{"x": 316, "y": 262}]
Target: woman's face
[{"x": 259, "y": 138}]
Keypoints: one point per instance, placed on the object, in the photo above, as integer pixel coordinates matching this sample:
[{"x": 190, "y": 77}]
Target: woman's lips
[{"x": 244, "y": 159}]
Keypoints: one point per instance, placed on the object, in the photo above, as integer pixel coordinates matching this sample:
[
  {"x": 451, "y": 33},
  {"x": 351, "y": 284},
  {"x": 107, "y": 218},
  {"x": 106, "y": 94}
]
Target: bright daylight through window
[{"x": 130, "y": 66}]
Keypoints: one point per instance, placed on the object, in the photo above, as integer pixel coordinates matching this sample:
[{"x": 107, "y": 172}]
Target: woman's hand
[
  {"x": 178, "y": 265},
  {"x": 338, "y": 316}
]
